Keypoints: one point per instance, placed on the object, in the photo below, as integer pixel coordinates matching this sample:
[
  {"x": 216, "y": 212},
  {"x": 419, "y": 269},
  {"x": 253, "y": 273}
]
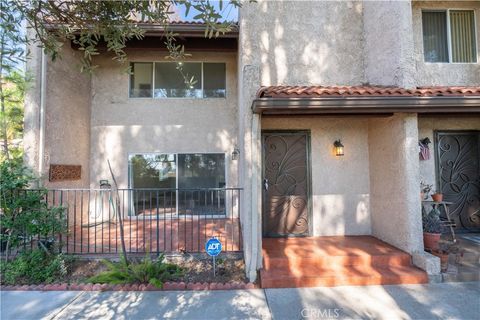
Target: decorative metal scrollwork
[
  {"x": 459, "y": 176},
  {"x": 285, "y": 169}
]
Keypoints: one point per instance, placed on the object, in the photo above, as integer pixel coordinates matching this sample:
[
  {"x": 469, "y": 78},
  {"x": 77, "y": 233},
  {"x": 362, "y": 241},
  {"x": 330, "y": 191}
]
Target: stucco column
[
  {"x": 249, "y": 169},
  {"x": 395, "y": 180},
  {"x": 395, "y": 186},
  {"x": 388, "y": 43},
  {"x": 31, "y": 135}
]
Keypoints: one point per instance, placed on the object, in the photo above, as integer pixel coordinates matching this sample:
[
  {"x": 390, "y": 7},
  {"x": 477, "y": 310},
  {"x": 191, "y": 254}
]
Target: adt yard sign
[{"x": 213, "y": 247}]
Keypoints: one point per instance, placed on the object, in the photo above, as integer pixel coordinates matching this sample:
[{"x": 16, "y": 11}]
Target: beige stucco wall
[
  {"x": 288, "y": 43},
  {"x": 123, "y": 125},
  {"x": 388, "y": 43},
  {"x": 340, "y": 185},
  {"x": 445, "y": 74},
  {"x": 394, "y": 181},
  {"x": 31, "y": 117},
  {"x": 427, "y": 125},
  {"x": 67, "y": 117},
  {"x": 303, "y": 42}
]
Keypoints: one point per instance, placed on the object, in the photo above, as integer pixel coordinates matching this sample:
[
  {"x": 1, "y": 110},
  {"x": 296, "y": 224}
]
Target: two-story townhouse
[{"x": 298, "y": 144}]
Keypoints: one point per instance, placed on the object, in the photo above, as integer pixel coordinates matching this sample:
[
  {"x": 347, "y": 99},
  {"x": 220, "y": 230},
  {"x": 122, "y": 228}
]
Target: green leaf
[{"x": 155, "y": 282}]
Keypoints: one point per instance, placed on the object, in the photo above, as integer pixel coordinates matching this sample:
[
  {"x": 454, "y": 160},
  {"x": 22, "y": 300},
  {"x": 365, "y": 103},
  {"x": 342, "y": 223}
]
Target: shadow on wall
[
  {"x": 108, "y": 144},
  {"x": 332, "y": 54},
  {"x": 340, "y": 214}
]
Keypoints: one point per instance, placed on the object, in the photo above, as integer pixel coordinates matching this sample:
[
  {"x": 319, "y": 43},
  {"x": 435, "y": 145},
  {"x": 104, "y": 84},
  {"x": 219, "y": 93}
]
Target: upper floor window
[
  {"x": 449, "y": 36},
  {"x": 177, "y": 80}
]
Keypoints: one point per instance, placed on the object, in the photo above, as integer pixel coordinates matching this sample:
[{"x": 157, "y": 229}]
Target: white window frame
[
  {"x": 175, "y": 214},
  {"x": 449, "y": 33},
  {"x": 173, "y": 98}
]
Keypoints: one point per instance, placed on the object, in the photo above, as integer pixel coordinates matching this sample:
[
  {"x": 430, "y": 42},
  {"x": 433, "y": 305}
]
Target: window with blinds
[{"x": 449, "y": 36}]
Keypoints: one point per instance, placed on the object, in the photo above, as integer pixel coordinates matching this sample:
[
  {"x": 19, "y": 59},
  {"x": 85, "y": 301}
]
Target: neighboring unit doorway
[
  {"x": 286, "y": 183},
  {"x": 458, "y": 176}
]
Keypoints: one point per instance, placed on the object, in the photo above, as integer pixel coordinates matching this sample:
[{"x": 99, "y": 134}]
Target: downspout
[{"x": 41, "y": 139}]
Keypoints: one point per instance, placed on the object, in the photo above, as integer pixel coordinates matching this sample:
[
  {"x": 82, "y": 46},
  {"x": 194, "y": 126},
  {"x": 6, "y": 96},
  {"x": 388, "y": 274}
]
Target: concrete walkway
[{"x": 432, "y": 301}]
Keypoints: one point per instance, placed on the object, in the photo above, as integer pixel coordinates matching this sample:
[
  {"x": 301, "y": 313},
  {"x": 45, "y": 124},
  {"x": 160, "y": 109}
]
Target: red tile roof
[{"x": 365, "y": 91}]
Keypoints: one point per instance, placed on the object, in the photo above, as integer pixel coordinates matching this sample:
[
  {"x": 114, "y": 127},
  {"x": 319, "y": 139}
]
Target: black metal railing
[{"x": 154, "y": 220}]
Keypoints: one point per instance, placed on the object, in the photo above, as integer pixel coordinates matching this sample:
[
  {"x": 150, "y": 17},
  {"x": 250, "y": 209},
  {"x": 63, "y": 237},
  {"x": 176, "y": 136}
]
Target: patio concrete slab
[
  {"x": 169, "y": 305},
  {"x": 23, "y": 305},
  {"x": 432, "y": 301}
]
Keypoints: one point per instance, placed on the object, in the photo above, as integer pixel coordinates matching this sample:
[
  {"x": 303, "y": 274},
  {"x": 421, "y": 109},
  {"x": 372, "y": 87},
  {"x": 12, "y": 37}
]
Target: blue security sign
[{"x": 213, "y": 247}]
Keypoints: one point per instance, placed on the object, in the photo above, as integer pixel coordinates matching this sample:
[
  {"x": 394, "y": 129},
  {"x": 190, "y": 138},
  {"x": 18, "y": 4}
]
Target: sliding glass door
[{"x": 183, "y": 183}]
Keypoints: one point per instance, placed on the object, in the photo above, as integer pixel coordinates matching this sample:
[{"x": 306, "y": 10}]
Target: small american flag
[{"x": 424, "y": 151}]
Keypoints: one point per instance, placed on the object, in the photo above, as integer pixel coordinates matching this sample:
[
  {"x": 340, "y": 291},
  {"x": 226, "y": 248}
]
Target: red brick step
[{"x": 333, "y": 261}]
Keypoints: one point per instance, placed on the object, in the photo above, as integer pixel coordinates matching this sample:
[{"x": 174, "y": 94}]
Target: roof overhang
[
  {"x": 355, "y": 105},
  {"x": 185, "y": 29}
]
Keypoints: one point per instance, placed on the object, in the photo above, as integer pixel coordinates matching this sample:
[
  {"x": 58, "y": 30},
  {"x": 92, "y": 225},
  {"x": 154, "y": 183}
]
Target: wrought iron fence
[{"x": 154, "y": 220}]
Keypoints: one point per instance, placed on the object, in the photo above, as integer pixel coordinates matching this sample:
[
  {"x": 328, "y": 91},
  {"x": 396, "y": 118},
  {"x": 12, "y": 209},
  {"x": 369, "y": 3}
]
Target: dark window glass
[
  {"x": 435, "y": 42},
  {"x": 178, "y": 80},
  {"x": 198, "y": 174},
  {"x": 201, "y": 170},
  {"x": 214, "y": 85},
  {"x": 152, "y": 171},
  {"x": 141, "y": 80}
]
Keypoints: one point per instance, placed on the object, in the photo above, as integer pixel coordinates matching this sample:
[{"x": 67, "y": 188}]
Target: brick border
[{"x": 167, "y": 286}]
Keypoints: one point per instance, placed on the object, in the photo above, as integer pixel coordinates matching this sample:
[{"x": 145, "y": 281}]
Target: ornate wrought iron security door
[
  {"x": 458, "y": 166},
  {"x": 285, "y": 183}
]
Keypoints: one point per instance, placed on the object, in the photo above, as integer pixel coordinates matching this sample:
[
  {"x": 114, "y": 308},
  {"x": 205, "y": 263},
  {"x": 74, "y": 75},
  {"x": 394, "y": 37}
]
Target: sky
[{"x": 229, "y": 12}]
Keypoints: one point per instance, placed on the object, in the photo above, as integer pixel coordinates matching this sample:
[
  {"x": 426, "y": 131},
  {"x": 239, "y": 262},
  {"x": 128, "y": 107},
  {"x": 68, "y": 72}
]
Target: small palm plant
[
  {"x": 432, "y": 229},
  {"x": 147, "y": 271},
  {"x": 432, "y": 222}
]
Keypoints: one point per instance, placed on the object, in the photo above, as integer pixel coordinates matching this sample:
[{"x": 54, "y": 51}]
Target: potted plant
[
  {"x": 437, "y": 196},
  {"x": 432, "y": 229},
  {"x": 443, "y": 255},
  {"x": 425, "y": 190}
]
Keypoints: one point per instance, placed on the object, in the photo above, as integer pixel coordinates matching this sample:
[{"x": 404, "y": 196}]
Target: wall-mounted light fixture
[
  {"x": 338, "y": 148},
  {"x": 104, "y": 184},
  {"x": 236, "y": 154}
]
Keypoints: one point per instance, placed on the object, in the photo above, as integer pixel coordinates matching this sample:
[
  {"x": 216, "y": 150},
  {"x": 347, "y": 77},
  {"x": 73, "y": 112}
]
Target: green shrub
[
  {"x": 34, "y": 267},
  {"x": 25, "y": 214},
  {"x": 146, "y": 271}
]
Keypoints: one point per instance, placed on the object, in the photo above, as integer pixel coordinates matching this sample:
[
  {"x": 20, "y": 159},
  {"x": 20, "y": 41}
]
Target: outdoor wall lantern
[
  {"x": 235, "y": 154},
  {"x": 338, "y": 147}
]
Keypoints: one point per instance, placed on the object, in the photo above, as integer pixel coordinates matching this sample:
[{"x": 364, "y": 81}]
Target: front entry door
[
  {"x": 285, "y": 183},
  {"x": 458, "y": 165}
]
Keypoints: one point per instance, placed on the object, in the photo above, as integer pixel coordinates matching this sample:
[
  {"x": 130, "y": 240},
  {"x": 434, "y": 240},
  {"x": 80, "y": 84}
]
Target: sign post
[{"x": 213, "y": 247}]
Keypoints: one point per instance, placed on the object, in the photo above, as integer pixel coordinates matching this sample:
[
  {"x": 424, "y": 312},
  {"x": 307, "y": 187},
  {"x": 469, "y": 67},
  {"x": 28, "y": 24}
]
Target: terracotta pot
[
  {"x": 437, "y": 197},
  {"x": 430, "y": 241},
  {"x": 443, "y": 259}
]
